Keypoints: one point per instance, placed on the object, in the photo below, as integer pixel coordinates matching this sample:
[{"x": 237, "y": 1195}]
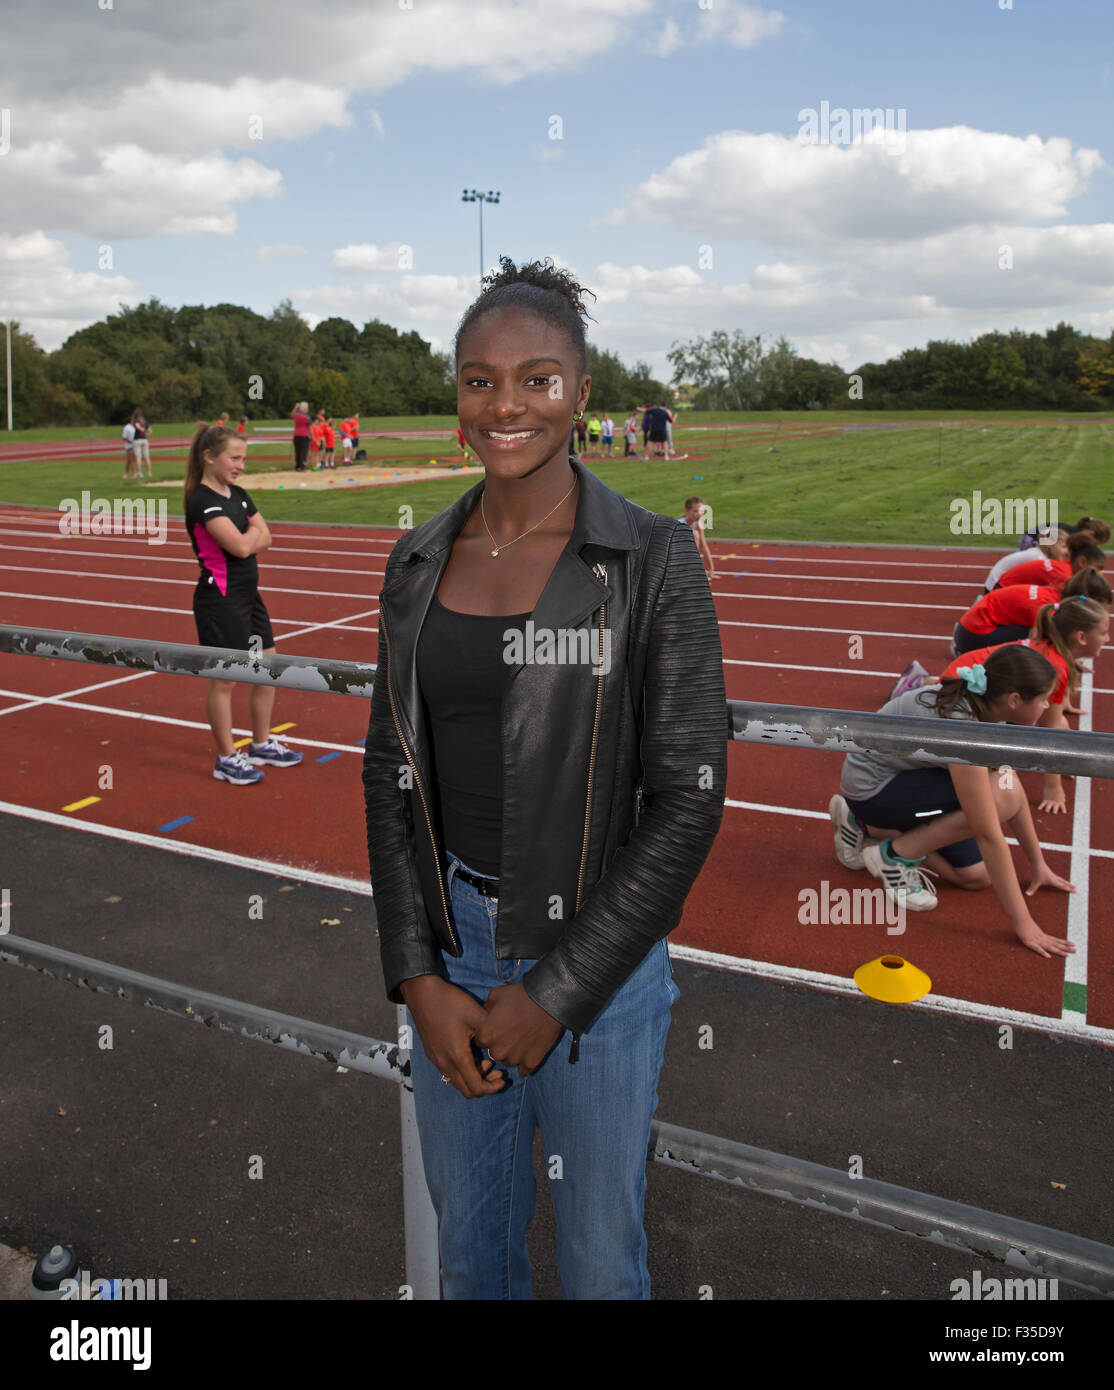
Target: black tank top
[{"x": 462, "y": 676}]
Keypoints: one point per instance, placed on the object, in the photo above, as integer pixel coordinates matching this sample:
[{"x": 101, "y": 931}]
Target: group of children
[{"x": 1017, "y": 656}]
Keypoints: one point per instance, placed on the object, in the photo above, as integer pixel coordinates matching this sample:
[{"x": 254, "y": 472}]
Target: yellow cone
[{"x": 893, "y": 980}]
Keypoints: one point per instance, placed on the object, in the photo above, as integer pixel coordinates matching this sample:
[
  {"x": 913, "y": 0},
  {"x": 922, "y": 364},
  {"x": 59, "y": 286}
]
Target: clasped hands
[{"x": 509, "y": 1026}]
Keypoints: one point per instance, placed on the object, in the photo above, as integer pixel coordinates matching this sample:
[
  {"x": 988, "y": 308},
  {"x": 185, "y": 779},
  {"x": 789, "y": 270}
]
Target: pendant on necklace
[{"x": 495, "y": 555}]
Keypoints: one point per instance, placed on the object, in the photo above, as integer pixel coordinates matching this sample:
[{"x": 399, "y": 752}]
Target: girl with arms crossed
[{"x": 227, "y": 532}]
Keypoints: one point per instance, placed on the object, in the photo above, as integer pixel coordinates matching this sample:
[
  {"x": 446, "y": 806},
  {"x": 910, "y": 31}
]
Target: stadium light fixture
[{"x": 473, "y": 195}]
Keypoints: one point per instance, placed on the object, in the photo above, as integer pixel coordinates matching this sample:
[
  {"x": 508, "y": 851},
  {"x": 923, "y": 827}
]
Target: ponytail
[
  {"x": 208, "y": 439},
  {"x": 1008, "y": 668},
  {"x": 1097, "y": 528},
  {"x": 1058, "y": 622}
]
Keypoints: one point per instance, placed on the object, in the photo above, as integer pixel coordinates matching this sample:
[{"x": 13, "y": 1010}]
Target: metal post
[
  {"x": 423, "y": 1262},
  {"x": 9, "y": 374},
  {"x": 481, "y": 239}
]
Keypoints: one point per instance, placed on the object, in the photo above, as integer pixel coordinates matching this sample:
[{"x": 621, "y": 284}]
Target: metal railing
[
  {"x": 1026, "y": 749},
  {"x": 989, "y": 1235}
]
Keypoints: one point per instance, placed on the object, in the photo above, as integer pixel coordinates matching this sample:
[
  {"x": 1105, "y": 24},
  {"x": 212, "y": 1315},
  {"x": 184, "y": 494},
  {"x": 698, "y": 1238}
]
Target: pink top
[{"x": 301, "y": 423}]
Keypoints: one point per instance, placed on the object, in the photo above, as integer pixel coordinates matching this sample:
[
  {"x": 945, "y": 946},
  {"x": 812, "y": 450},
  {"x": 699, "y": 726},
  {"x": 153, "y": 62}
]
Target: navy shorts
[
  {"x": 911, "y": 799},
  {"x": 232, "y": 621},
  {"x": 975, "y": 641}
]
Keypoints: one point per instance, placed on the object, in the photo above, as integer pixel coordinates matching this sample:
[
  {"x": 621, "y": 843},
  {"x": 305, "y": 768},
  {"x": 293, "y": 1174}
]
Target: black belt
[{"x": 489, "y": 887}]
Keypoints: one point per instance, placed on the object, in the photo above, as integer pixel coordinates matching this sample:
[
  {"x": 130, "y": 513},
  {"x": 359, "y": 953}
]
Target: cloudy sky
[{"x": 247, "y": 151}]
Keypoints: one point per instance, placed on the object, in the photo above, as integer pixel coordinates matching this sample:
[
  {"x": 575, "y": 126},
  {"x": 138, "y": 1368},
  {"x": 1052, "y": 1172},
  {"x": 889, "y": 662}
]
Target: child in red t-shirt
[
  {"x": 330, "y": 443},
  {"x": 317, "y": 434},
  {"x": 1065, "y": 634},
  {"x": 1007, "y": 615},
  {"x": 1082, "y": 552}
]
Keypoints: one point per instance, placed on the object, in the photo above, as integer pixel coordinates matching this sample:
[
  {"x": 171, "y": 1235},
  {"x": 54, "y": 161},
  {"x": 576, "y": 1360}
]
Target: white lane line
[
  {"x": 146, "y": 608},
  {"x": 838, "y": 631},
  {"x": 823, "y": 815},
  {"x": 167, "y": 719},
  {"x": 937, "y": 1003},
  {"x": 216, "y": 856},
  {"x": 360, "y": 887},
  {"x": 158, "y": 554},
  {"x": 1075, "y": 967},
  {"x": 83, "y": 690},
  {"x": 68, "y": 695},
  {"x": 845, "y": 602},
  {"x": 167, "y": 545},
  {"x": 173, "y": 560},
  {"x": 141, "y": 579}
]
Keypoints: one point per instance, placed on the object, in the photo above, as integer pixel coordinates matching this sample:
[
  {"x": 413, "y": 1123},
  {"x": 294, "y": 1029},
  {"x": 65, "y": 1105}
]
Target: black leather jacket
[{"x": 613, "y": 780}]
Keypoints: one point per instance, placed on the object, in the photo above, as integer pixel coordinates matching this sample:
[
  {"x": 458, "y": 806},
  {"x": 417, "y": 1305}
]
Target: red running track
[{"x": 791, "y": 618}]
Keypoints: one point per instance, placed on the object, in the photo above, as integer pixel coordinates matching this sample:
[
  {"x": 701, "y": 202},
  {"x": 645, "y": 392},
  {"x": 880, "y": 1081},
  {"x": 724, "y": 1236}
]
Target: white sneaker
[
  {"x": 912, "y": 678},
  {"x": 237, "y": 770},
  {"x": 906, "y": 885},
  {"x": 849, "y": 839}
]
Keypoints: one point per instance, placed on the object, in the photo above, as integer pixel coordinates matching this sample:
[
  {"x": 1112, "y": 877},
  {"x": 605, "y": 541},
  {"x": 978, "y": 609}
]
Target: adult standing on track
[
  {"x": 140, "y": 449},
  {"x": 525, "y": 932},
  {"x": 300, "y": 416},
  {"x": 127, "y": 434},
  {"x": 227, "y": 533}
]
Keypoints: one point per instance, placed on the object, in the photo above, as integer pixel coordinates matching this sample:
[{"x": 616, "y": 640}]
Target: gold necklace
[{"x": 487, "y": 528}]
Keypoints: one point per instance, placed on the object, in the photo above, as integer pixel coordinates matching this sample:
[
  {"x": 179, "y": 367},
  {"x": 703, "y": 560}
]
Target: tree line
[
  {"x": 1061, "y": 369},
  {"x": 194, "y": 362}
]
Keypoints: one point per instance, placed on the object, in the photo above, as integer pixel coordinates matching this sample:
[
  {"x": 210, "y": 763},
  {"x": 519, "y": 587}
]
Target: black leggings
[{"x": 974, "y": 641}]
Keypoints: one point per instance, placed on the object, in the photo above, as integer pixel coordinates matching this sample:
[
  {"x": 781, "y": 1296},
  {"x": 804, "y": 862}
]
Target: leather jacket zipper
[
  {"x": 601, "y": 574},
  {"x": 421, "y": 793}
]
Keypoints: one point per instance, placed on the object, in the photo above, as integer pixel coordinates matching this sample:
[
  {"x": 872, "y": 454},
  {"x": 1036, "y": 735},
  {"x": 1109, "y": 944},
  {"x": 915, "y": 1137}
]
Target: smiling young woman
[{"x": 553, "y": 812}]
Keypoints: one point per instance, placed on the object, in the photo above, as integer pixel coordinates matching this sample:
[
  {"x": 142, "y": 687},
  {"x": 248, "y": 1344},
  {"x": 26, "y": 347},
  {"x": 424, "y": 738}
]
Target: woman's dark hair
[
  {"x": 1008, "y": 668},
  {"x": 1088, "y": 584},
  {"x": 1083, "y": 551},
  {"x": 209, "y": 439},
  {"x": 1097, "y": 527},
  {"x": 539, "y": 286}
]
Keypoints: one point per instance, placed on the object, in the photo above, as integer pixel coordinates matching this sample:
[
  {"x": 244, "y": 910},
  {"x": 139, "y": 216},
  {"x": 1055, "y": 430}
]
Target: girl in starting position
[{"x": 902, "y": 821}]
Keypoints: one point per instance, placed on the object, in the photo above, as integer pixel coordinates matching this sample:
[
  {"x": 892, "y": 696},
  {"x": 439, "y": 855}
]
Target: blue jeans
[{"x": 594, "y": 1116}]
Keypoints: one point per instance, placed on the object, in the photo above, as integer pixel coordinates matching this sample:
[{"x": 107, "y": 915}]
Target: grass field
[{"x": 812, "y": 475}]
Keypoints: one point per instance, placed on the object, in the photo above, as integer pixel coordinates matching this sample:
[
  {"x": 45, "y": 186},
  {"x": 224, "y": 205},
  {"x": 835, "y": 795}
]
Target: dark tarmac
[{"x": 139, "y": 1155}]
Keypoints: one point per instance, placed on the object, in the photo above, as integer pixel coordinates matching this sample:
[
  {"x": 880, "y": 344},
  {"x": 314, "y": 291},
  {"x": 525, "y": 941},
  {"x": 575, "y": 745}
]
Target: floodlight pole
[
  {"x": 472, "y": 195},
  {"x": 9, "y": 373}
]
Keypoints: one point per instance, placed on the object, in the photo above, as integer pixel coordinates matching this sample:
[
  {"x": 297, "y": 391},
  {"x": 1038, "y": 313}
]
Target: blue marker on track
[
  {"x": 173, "y": 825},
  {"x": 327, "y": 757}
]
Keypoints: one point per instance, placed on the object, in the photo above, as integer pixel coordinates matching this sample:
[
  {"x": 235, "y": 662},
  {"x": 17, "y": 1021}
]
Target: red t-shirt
[
  {"x": 330, "y": 437},
  {"x": 1042, "y": 571},
  {"x": 1016, "y": 605},
  {"x": 317, "y": 429},
  {"x": 1046, "y": 649},
  {"x": 301, "y": 424}
]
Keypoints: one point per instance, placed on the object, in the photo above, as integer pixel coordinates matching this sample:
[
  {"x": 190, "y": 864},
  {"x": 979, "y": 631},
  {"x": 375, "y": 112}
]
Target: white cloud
[
  {"x": 427, "y": 303},
  {"x": 51, "y": 300},
  {"x": 771, "y": 188},
  {"x": 128, "y": 191},
  {"x": 270, "y": 253},
  {"x": 366, "y": 256}
]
